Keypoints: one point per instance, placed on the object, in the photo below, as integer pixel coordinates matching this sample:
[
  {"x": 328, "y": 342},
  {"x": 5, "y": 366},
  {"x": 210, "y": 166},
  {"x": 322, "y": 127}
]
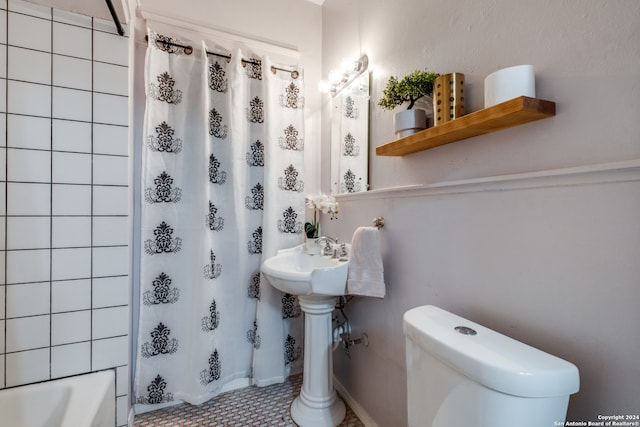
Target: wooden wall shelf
[{"x": 497, "y": 117}]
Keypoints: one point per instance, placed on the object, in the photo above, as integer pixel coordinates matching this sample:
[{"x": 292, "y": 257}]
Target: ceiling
[{"x": 95, "y": 8}]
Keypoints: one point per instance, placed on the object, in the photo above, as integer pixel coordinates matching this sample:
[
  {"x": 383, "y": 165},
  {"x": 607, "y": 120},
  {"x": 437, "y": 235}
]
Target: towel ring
[{"x": 378, "y": 222}]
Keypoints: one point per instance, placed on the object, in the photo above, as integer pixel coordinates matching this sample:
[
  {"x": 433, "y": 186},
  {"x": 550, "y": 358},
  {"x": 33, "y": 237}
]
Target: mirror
[{"x": 350, "y": 130}]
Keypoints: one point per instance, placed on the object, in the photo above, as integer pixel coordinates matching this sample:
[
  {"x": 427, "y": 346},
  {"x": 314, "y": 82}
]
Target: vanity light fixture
[{"x": 339, "y": 79}]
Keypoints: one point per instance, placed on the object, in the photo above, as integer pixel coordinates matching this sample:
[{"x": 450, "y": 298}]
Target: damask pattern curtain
[{"x": 223, "y": 189}]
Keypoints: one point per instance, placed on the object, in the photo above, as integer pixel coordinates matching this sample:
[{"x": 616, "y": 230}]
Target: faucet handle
[
  {"x": 328, "y": 250},
  {"x": 343, "y": 252}
]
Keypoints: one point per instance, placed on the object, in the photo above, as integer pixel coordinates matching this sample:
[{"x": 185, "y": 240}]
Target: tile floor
[{"x": 252, "y": 406}]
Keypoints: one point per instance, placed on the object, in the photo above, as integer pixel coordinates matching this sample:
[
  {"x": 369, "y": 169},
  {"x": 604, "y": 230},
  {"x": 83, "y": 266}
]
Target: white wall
[
  {"x": 549, "y": 258},
  {"x": 585, "y": 55},
  {"x": 551, "y": 261}
]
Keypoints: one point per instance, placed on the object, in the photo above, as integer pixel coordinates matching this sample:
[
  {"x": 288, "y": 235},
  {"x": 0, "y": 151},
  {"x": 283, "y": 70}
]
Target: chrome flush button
[{"x": 465, "y": 330}]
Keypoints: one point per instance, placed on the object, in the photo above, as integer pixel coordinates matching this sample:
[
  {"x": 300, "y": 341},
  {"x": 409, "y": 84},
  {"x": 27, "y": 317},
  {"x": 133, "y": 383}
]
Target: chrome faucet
[{"x": 328, "y": 244}]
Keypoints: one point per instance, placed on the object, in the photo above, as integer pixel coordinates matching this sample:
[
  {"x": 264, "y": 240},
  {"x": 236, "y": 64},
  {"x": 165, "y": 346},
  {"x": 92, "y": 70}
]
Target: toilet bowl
[{"x": 460, "y": 373}]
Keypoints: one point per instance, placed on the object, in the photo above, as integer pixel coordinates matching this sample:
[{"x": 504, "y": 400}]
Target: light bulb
[{"x": 335, "y": 77}]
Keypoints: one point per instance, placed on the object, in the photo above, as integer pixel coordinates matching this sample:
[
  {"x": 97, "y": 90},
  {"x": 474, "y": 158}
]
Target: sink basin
[{"x": 298, "y": 272}]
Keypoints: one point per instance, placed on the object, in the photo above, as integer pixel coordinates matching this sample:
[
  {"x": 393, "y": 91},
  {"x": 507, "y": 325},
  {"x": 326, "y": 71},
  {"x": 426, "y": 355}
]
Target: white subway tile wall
[
  {"x": 70, "y": 359},
  {"x": 73, "y": 136},
  {"x": 71, "y": 72},
  {"x": 64, "y": 198},
  {"x": 29, "y": 65},
  {"x": 28, "y": 132},
  {"x": 36, "y": 363},
  {"x": 28, "y": 165},
  {"x": 72, "y": 200},
  {"x": 29, "y": 299},
  {"x": 70, "y": 231},
  {"x": 65, "y": 17},
  {"x": 20, "y": 98},
  {"x": 71, "y": 295}
]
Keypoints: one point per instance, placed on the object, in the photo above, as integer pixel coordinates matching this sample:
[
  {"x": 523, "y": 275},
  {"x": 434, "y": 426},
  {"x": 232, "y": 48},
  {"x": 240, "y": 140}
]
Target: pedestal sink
[{"x": 316, "y": 280}]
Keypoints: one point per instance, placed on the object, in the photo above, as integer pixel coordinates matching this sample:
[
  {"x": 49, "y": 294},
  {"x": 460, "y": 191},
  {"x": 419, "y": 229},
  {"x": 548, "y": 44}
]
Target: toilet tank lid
[{"x": 488, "y": 357}]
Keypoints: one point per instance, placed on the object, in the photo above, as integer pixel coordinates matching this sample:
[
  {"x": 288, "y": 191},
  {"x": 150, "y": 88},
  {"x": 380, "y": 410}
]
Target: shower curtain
[{"x": 222, "y": 186}]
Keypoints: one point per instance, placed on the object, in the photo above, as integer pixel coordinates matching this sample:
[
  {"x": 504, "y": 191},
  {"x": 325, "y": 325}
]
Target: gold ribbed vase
[{"x": 448, "y": 98}]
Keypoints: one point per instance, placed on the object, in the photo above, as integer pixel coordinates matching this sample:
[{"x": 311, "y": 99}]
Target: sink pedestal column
[{"x": 318, "y": 405}]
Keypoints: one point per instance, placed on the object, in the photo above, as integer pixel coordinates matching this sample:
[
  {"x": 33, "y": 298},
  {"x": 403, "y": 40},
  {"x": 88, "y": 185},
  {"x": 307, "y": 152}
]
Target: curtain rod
[
  {"x": 205, "y": 30},
  {"x": 189, "y": 49},
  {"x": 115, "y": 18}
]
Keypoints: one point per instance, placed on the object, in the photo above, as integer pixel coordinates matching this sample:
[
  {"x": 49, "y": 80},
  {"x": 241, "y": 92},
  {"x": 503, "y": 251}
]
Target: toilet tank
[{"x": 460, "y": 373}]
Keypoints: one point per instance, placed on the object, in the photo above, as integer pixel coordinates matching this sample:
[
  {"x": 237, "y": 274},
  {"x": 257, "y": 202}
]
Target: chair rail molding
[{"x": 616, "y": 172}]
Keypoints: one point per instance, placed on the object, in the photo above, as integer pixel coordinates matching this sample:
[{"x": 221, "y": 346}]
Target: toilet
[{"x": 461, "y": 374}]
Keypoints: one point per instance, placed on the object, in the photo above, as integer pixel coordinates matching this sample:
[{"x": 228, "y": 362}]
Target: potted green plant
[{"x": 409, "y": 89}]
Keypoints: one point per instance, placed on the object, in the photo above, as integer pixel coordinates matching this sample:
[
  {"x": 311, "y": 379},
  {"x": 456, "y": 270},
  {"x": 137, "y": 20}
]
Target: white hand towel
[{"x": 365, "y": 275}]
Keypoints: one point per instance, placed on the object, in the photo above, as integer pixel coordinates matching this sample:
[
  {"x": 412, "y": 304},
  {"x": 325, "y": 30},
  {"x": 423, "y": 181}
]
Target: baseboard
[{"x": 353, "y": 404}]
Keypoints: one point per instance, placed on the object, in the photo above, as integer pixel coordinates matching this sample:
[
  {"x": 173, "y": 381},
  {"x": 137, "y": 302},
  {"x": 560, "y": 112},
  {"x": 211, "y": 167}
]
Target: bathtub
[{"x": 82, "y": 401}]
